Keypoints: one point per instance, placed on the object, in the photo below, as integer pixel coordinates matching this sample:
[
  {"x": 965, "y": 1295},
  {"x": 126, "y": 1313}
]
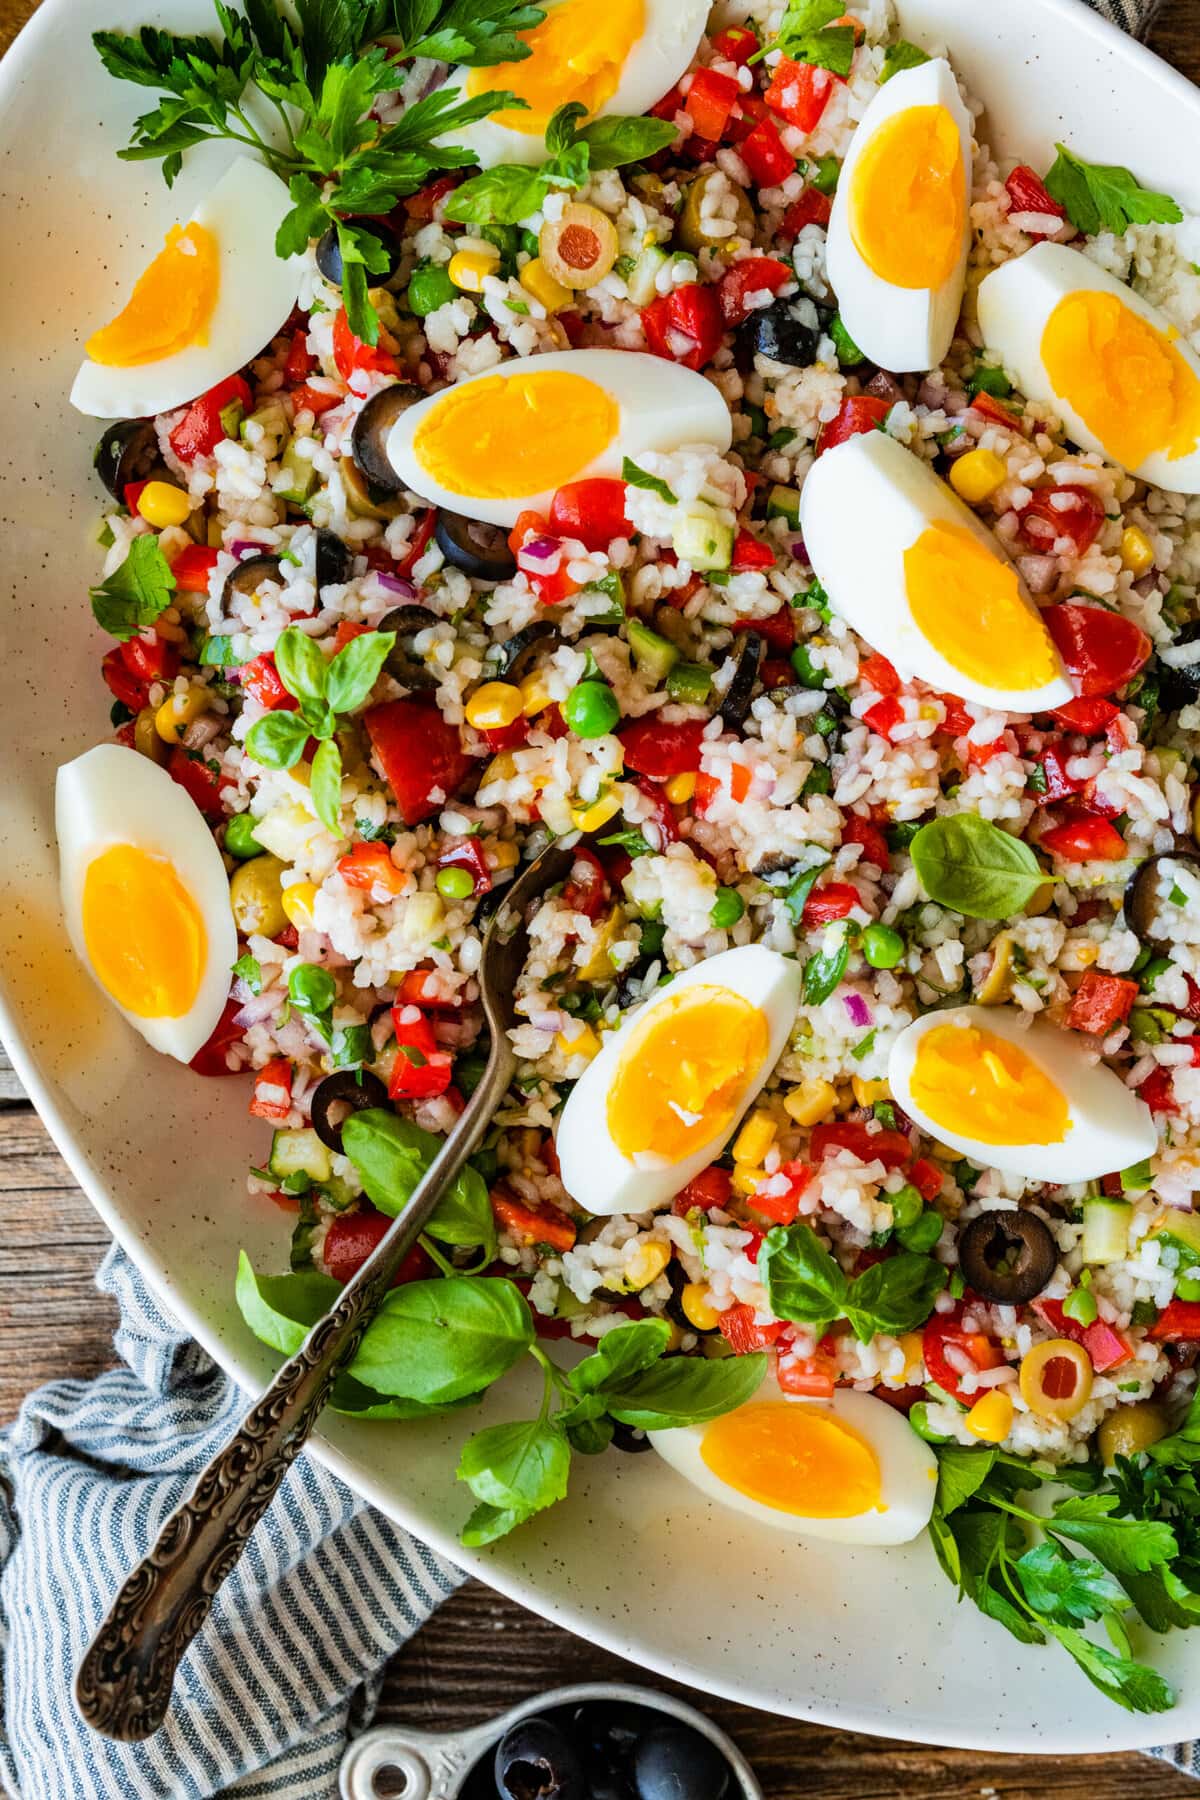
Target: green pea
[
  {"x": 455, "y": 884},
  {"x": 429, "y": 288},
  {"x": 240, "y": 840},
  {"x": 591, "y": 709},
  {"x": 907, "y": 1207},
  {"x": 823, "y": 174},
  {"x": 1080, "y": 1305},
  {"x": 1186, "y": 1288},
  {"x": 727, "y": 908},
  {"x": 882, "y": 946},
  {"x": 923, "y": 1234},
  {"x": 806, "y": 669}
]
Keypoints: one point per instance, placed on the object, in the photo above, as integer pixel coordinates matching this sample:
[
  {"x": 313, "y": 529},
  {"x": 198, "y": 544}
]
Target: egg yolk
[
  {"x": 510, "y": 436},
  {"x": 970, "y": 1081},
  {"x": 683, "y": 1072},
  {"x": 967, "y": 603},
  {"x": 170, "y": 306},
  {"x": 578, "y": 53},
  {"x": 908, "y": 202},
  {"x": 144, "y": 934},
  {"x": 797, "y": 1459},
  {"x": 1124, "y": 377}
]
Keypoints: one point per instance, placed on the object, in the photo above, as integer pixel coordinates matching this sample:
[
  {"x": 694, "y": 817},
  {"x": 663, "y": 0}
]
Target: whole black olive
[
  {"x": 479, "y": 550},
  {"x": 608, "y": 1730},
  {"x": 1143, "y": 905},
  {"x": 329, "y": 253},
  {"x": 784, "y": 333},
  {"x": 1179, "y": 669},
  {"x": 629, "y": 1438},
  {"x": 536, "y": 1761},
  {"x": 248, "y": 577},
  {"x": 127, "y": 452},
  {"x": 676, "y": 1763},
  {"x": 1007, "y": 1257},
  {"x": 736, "y": 704},
  {"x": 356, "y": 1088},
  {"x": 334, "y": 561},
  {"x": 368, "y": 441}
]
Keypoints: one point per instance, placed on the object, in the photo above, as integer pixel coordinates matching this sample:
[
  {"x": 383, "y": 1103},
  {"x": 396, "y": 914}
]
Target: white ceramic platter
[{"x": 870, "y": 1640}]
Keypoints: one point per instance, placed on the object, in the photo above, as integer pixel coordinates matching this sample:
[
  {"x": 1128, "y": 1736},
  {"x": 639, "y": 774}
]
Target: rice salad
[{"x": 381, "y": 675}]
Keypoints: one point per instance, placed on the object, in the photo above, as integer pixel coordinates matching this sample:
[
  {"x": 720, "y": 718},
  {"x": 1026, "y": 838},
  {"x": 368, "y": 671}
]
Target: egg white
[
  {"x": 673, "y": 29},
  {"x": 598, "y": 1175},
  {"x": 907, "y": 1467},
  {"x": 1110, "y": 1128},
  {"x": 662, "y": 406},
  {"x": 256, "y": 293},
  {"x": 898, "y": 328},
  {"x": 112, "y": 795},
  {"x": 863, "y": 504},
  {"x": 1015, "y": 304}
]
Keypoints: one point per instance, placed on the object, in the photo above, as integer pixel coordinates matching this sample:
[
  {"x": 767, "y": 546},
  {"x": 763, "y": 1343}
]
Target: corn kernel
[
  {"x": 944, "y": 1153},
  {"x": 469, "y": 269},
  {"x": 990, "y": 1419},
  {"x": 537, "y": 280},
  {"x": 866, "y": 1093},
  {"x": 646, "y": 1265},
  {"x": 811, "y": 1102},
  {"x": 591, "y": 818},
  {"x": 298, "y": 904},
  {"x": 494, "y": 706},
  {"x": 535, "y": 695},
  {"x": 501, "y": 768},
  {"x": 584, "y": 1043},
  {"x": 680, "y": 788},
  {"x": 161, "y": 503},
  {"x": 976, "y": 475},
  {"x": 177, "y": 712},
  {"x": 913, "y": 1345},
  {"x": 674, "y": 1338},
  {"x": 504, "y": 855},
  {"x": 754, "y": 1139},
  {"x": 697, "y": 1309},
  {"x": 1086, "y": 954},
  {"x": 746, "y": 1178},
  {"x": 1137, "y": 552}
]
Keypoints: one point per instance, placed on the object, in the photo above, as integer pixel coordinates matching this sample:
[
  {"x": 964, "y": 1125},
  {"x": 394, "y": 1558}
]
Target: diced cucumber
[
  {"x": 338, "y": 1192},
  {"x": 690, "y": 683},
  {"x": 1181, "y": 1229},
  {"x": 642, "y": 283},
  {"x": 301, "y": 475},
  {"x": 654, "y": 655},
  {"x": 267, "y": 416},
  {"x": 1105, "y": 1230},
  {"x": 784, "y": 503},
  {"x": 702, "y": 540},
  {"x": 299, "y": 1153}
]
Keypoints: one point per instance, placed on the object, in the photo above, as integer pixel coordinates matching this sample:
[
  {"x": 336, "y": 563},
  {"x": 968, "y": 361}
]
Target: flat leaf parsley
[
  {"x": 509, "y": 192},
  {"x": 1104, "y": 196}
]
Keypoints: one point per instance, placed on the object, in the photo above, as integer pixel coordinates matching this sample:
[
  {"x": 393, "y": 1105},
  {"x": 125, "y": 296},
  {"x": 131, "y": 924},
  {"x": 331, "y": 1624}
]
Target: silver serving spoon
[{"x": 124, "y": 1682}]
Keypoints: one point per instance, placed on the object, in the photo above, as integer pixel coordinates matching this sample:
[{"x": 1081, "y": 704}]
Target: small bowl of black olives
[{"x": 602, "y": 1741}]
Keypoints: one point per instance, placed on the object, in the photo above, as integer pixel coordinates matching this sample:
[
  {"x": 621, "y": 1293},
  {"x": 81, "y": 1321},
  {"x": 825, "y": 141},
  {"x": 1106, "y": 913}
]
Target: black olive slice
[
  {"x": 357, "y": 1089},
  {"x": 479, "y": 550},
  {"x": 1179, "y": 669},
  {"x": 1142, "y": 903},
  {"x": 406, "y": 621},
  {"x": 368, "y": 442},
  {"x": 249, "y": 575},
  {"x": 334, "y": 561},
  {"x": 329, "y": 253},
  {"x": 736, "y": 704},
  {"x": 127, "y": 452},
  {"x": 519, "y": 652},
  {"x": 1007, "y": 1257},
  {"x": 776, "y": 331}
]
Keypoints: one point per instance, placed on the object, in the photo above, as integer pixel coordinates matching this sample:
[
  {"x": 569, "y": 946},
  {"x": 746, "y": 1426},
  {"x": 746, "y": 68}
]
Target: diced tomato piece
[
  {"x": 1088, "y": 717},
  {"x": 833, "y": 901},
  {"x": 814, "y": 1377},
  {"x": 740, "y": 1331},
  {"x": 586, "y": 888},
  {"x": 470, "y": 855},
  {"x": 891, "y": 1148},
  {"x": 592, "y": 511},
  {"x": 958, "y": 720},
  {"x": 545, "y": 1224},
  {"x": 750, "y": 552},
  {"x": 927, "y": 1178},
  {"x": 262, "y": 680},
  {"x": 424, "y": 203},
  {"x": 1058, "y": 784},
  {"x": 685, "y": 326},
  {"x": 368, "y": 866},
  {"x": 421, "y": 755},
  {"x": 1178, "y": 1323},
  {"x": 812, "y": 208},
  {"x": 991, "y": 409},
  {"x": 877, "y": 672},
  {"x": 315, "y": 400},
  {"x": 710, "y": 1191},
  {"x": 1027, "y": 194},
  {"x": 653, "y": 747},
  {"x": 417, "y": 990},
  {"x": 1158, "y": 1091},
  {"x": 121, "y": 682},
  {"x": 507, "y": 737},
  {"x": 1084, "y": 839},
  {"x": 151, "y": 659},
  {"x": 778, "y": 628},
  {"x": 422, "y": 1068},
  {"x": 192, "y": 568},
  {"x": 350, "y": 353},
  {"x": 870, "y": 838},
  {"x": 858, "y": 413},
  {"x": 711, "y": 98},
  {"x": 753, "y": 275},
  {"x": 1071, "y": 512},
  {"x": 662, "y": 813},
  {"x": 352, "y": 1236},
  {"x": 272, "y": 1097},
  {"x": 766, "y": 156},
  {"x": 210, "y": 1057},
  {"x": 737, "y": 43},
  {"x": 197, "y": 780},
  {"x": 133, "y": 496},
  {"x": 783, "y": 1207},
  {"x": 708, "y": 787},
  {"x": 1101, "y": 650},
  {"x": 884, "y": 717},
  {"x": 1106, "y": 1347},
  {"x": 670, "y": 104},
  {"x": 1101, "y": 1002},
  {"x": 200, "y": 430},
  {"x": 299, "y": 364},
  {"x": 799, "y": 92},
  {"x": 347, "y": 631},
  {"x": 944, "y": 1332},
  {"x": 418, "y": 543}
]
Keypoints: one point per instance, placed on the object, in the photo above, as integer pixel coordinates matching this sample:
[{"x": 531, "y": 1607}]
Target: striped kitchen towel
[
  {"x": 1134, "y": 16},
  {"x": 287, "y": 1667}
]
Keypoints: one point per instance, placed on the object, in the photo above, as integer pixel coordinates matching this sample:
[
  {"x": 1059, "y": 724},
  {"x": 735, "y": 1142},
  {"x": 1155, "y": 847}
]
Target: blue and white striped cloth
[{"x": 287, "y": 1666}]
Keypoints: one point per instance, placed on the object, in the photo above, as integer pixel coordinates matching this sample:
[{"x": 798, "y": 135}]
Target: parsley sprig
[
  {"x": 1104, "y": 196},
  {"x": 136, "y": 592},
  {"x": 510, "y": 192}
]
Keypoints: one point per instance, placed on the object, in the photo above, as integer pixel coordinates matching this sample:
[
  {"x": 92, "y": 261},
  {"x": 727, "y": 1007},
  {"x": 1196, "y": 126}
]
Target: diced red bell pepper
[
  {"x": 812, "y": 208},
  {"x": 151, "y": 659},
  {"x": 352, "y": 1236},
  {"x": 709, "y": 1191},
  {"x": 192, "y": 568},
  {"x": 711, "y": 98},
  {"x": 272, "y": 1098},
  {"x": 876, "y": 672},
  {"x": 347, "y": 631},
  {"x": 592, "y": 511},
  {"x": 991, "y": 409},
  {"x": 685, "y": 326},
  {"x": 782, "y": 1208},
  {"x": 424, "y": 203},
  {"x": 1158, "y": 1091},
  {"x": 210, "y": 1057},
  {"x": 262, "y": 680},
  {"x": 927, "y": 1178},
  {"x": 662, "y": 813},
  {"x": 200, "y": 430},
  {"x": 299, "y": 363},
  {"x": 551, "y": 589},
  {"x": 891, "y": 1148},
  {"x": 740, "y": 1331},
  {"x": 418, "y": 543},
  {"x": 833, "y": 901},
  {"x": 884, "y": 717},
  {"x": 369, "y": 866},
  {"x": 133, "y": 496},
  {"x": 750, "y": 552},
  {"x": 506, "y": 737},
  {"x": 799, "y": 92},
  {"x": 1071, "y": 512},
  {"x": 545, "y": 1224},
  {"x": 957, "y": 721},
  {"x": 856, "y": 414},
  {"x": 586, "y": 887},
  {"x": 422, "y": 1068},
  {"x": 709, "y": 786},
  {"x": 417, "y": 989},
  {"x": 1101, "y": 650},
  {"x": 315, "y": 400},
  {"x": 737, "y": 43},
  {"x": 766, "y": 156},
  {"x": 1087, "y": 717},
  {"x": 945, "y": 1331},
  {"x": 653, "y": 747},
  {"x": 1106, "y": 1347},
  {"x": 670, "y": 104},
  {"x": 1027, "y": 194},
  {"x": 778, "y": 628},
  {"x": 350, "y": 353},
  {"x": 812, "y": 1377},
  {"x": 470, "y": 855},
  {"x": 421, "y": 755},
  {"x": 753, "y": 275},
  {"x": 1178, "y": 1323},
  {"x": 1101, "y": 1002},
  {"x": 1086, "y": 838},
  {"x": 1058, "y": 784},
  {"x": 197, "y": 780},
  {"x": 121, "y": 682},
  {"x": 871, "y": 840}
]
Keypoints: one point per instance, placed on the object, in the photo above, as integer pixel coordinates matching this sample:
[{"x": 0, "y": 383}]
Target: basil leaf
[
  {"x": 325, "y": 785},
  {"x": 351, "y": 1046},
  {"x": 684, "y": 1390},
  {"x": 487, "y": 1523},
  {"x": 300, "y": 665},
  {"x": 613, "y": 142},
  {"x": 621, "y": 1353},
  {"x": 902, "y": 55},
  {"x": 518, "y": 1468},
  {"x": 277, "y": 740},
  {"x": 966, "y": 863},
  {"x": 895, "y": 1296},
  {"x": 281, "y": 1310},
  {"x": 823, "y": 971},
  {"x": 1104, "y": 196},
  {"x": 798, "y": 890},
  {"x": 502, "y": 195},
  {"x": 464, "y": 1216},
  {"x": 803, "y": 1280},
  {"x": 355, "y": 669},
  {"x": 312, "y": 992},
  {"x": 443, "y": 1339},
  {"x": 359, "y": 1402},
  {"x": 391, "y": 1154},
  {"x": 641, "y": 478},
  {"x": 561, "y": 132},
  {"x": 136, "y": 592}
]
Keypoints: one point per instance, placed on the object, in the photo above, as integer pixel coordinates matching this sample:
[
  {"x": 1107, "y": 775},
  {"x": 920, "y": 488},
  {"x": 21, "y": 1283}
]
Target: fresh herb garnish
[
  {"x": 824, "y": 970},
  {"x": 968, "y": 864},
  {"x": 641, "y": 478},
  {"x": 136, "y": 592},
  {"x": 509, "y": 192},
  {"x": 250, "y": 970},
  {"x": 1104, "y": 196},
  {"x": 312, "y": 992},
  {"x": 902, "y": 55},
  {"x": 804, "y": 1283},
  {"x": 808, "y": 33}
]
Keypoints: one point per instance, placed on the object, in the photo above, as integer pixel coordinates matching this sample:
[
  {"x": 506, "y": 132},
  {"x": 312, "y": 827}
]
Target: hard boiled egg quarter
[
  {"x": 912, "y": 569},
  {"x": 1112, "y": 366},
  {"x": 666, "y": 1090},
  {"x": 503, "y": 441},
  {"x": 207, "y": 303},
  {"x": 145, "y": 896},
  {"x": 849, "y": 1468},
  {"x": 612, "y": 56},
  {"x": 1018, "y": 1096},
  {"x": 899, "y": 232}
]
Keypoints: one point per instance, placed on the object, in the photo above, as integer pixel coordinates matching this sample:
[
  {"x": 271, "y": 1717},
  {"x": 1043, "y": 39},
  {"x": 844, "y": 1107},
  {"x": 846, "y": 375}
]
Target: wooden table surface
[{"x": 481, "y": 1652}]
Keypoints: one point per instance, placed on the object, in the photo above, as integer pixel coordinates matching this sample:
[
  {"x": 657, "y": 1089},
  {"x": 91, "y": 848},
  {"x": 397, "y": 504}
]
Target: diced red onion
[
  {"x": 884, "y": 386},
  {"x": 798, "y": 550},
  {"x": 396, "y": 584},
  {"x": 1040, "y": 573},
  {"x": 857, "y": 1008},
  {"x": 246, "y": 547},
  {"x": 540, "y": 550}
]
